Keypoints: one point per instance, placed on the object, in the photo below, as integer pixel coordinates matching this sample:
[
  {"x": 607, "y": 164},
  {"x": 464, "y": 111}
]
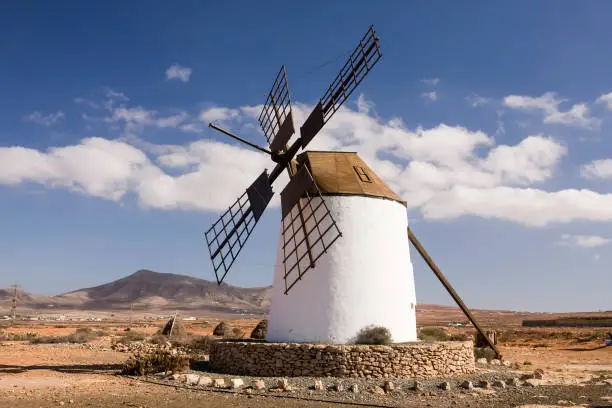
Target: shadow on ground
[{"x": 67, "y": 369}]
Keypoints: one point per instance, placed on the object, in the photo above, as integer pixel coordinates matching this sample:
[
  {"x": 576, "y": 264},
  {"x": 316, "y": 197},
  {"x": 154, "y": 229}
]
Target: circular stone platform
[{"x": 417, "y": 360}]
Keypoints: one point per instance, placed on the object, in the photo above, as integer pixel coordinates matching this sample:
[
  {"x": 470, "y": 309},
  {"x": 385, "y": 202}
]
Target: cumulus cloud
[
  {"x": 443, "y": 171},
  {"x": 606, "y": 99},
  {"x": 548, "y": 103},
  {"x": 583, "y": 241},
  {"x": 430, "y": 96},
  {"x": 179, "y": 72},
  {"x": 597, "y": 169},
  {"x": 45, "y": 120},
  {"x": 218, "y": 114},
  {"x": 135, "y": 119}
]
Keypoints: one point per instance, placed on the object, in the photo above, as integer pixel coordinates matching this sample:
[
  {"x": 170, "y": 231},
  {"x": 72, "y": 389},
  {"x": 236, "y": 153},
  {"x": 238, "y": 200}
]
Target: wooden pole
[{"x": 413, "y": 239}]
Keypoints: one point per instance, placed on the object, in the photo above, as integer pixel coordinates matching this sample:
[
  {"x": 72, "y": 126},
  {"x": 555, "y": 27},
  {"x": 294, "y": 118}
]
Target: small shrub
[
  {"x": 433, "y": 334},
  {"x": 129, "y": 336},
  {"x": 527, "y": 363},
  {"x": 374, "y": 335},
  {"x": 460, "y": 337},
  {"x": 81, "y": 335},
  {"x": 542, "y": 345},
  {"x": 260, "y": 331},
  {"x": 158, "y": 361},
  {"x": 158, "y": 339},
  {"x": 17, "y": 336},
  {"x": 484, "y": 352},
  {"x": 223, "y": 329},
  {"x": 588, "y": 338}
]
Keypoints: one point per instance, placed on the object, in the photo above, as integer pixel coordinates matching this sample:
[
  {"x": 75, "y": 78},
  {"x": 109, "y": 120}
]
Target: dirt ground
[{"x": 85, "y": 375}]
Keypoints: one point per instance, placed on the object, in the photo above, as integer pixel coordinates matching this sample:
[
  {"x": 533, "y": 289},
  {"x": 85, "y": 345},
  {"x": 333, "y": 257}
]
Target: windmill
[
  {"x": 307, "y": 220},
  {"x": 340, "y": 223}
]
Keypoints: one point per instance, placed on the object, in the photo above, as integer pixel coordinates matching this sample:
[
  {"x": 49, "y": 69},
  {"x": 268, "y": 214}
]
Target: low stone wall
[{"x": 417, "y": 360}]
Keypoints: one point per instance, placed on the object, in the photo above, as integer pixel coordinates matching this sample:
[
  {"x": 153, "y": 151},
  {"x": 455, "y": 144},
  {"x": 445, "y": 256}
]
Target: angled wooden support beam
[{"x": 419, "y": 247}]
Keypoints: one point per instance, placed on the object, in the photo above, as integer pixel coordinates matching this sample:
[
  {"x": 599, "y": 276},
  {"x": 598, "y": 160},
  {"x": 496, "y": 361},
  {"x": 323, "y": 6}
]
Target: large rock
[
  {"x": 192, "y": 379},
  {"x": 222, "y": 329},
  {"x": 236, "y": 383},
  {"x": 260, "y": 331}
]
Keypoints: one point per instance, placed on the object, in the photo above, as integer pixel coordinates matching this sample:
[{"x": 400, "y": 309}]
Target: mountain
[{"x": 150, "y": 290}]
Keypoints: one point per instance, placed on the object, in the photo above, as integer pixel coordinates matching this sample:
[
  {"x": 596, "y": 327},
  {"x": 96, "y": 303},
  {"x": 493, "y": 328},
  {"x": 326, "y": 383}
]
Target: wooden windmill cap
[{"x": 345, "y": 173}]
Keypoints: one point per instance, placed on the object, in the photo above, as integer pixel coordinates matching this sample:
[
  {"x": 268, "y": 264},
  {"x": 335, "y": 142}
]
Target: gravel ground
[{"x": 428, "y": 394}]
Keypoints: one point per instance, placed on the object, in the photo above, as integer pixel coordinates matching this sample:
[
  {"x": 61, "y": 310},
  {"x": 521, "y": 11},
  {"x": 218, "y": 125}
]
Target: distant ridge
[
  {"x": 146, "y": 290},
  {"x": 155, "y": 291}
]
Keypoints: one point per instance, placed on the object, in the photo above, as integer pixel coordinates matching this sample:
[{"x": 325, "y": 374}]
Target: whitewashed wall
[{"x": 365, "y": 278}]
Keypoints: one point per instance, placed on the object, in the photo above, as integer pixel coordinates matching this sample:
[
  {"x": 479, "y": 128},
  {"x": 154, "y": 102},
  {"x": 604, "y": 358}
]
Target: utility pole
[{"x": 15, "y": 288}]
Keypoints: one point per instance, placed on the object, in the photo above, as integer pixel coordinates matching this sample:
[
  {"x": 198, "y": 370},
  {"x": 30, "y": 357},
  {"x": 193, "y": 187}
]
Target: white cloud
[
  {"x": 431, "y": 96},
  {"x": 177, "y": 71},
  {"x": 548, "y": 104},
  {"x": 431, "y": 81},
  {"x": 605, "y": 98},
  {"x": 218, "y": 114},
  {"x": 96, "y": 167},
  {"x": 112, "y": 98},
  {"x": 363, "y": 105},
  {"x": 597, "y": 169},
  {"x": 192, "y": 128},
  {"x": 476, "y": 100},
  {"x": 136, "y": 118},
  {"x": 583, "y": 241},
  {"x": 46, "y": 120},
  {"x": 444, "y": 171}
]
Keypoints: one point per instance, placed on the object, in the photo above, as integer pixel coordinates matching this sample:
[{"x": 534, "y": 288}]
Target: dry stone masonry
[{"x": 417, "y": 360}]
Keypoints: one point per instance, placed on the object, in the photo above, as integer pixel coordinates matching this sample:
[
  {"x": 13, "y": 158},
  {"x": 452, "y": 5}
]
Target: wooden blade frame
[
  {"x": 359, "y": 64},
  {"x": 309, "y": 228},
  {"x": 276, "y": 119},
  {"x": 226, "y": 237}
]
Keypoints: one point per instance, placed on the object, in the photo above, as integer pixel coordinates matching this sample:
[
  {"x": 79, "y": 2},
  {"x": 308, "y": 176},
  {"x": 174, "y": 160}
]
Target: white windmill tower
[{"x": 343, "y": 259}]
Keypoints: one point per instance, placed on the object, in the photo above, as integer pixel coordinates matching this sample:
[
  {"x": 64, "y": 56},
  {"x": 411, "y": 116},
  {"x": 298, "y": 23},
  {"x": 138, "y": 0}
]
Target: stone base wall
[{"x": 417, "y": 360}]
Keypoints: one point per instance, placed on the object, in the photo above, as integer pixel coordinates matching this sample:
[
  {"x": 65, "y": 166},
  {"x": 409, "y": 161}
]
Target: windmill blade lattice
[
  {"x": 228, "y": 235},
  {"x": 308, "y": 227},
  {"x": 276, "y": 119},
  {"x": 359, "y": 64}
]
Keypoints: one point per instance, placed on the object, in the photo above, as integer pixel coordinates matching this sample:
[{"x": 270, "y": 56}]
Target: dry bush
[
  {"x": 223, "y": 329},
  {"x": 484, "y": 352},
  {"x": 81, "y": 335},
  {"x": 460, "y": 337},
  {"x": 587, "y": 338},
  {"x": 17, "y": 336},
  {"x": 195, "y": 343},
  {"x": 260, "y": 331},
  {"x": 433, "y": 334},
  {"x": 156, "y": 362},
  {"x": 158, "y": 339},
  {"x": 129, "y": 336},
  {"x": 373, "y": 335}
]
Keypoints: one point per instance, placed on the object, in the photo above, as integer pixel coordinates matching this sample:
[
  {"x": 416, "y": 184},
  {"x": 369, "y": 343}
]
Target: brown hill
[{"x": 146, "y": 289}]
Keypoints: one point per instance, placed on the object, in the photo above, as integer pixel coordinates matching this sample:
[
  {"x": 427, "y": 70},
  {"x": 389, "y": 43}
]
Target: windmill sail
[
  {"x": 228, "y": 235},
  {"x": 276, "y": 119},
  {"x": 359, "y": 64},
  {"x": 309, "y": 228}
]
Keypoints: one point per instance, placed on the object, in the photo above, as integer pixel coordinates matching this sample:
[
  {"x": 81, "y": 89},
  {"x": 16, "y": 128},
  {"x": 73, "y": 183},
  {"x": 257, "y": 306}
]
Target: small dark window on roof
[{"x": 363, "y": 175}]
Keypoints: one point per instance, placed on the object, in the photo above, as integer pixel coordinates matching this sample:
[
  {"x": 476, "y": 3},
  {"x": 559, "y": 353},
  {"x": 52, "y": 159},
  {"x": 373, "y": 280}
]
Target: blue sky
[{"x": 491, "y": 120}]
